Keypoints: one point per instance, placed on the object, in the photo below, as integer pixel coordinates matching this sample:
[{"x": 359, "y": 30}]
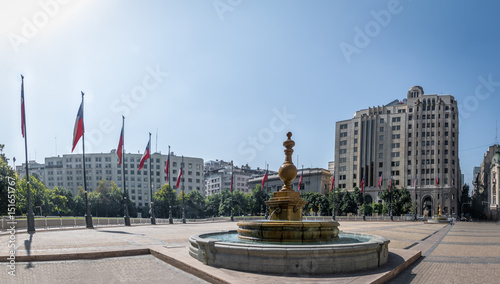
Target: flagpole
[
  {"x": 88, "y": 216},
  {"x": 390, "y": 193},
  {"x": 170, "y": 219},
  {"x": 125, "y": 193},
  {"x": 267, "y": 193},
  {"x": 153, "y": 219},
  {"x": 364, "y": 205},
  {"x": 182, "y": 191},
  {"x": 415, "y": 192},
  {"x": 30, "y": 216},
  {"x": 333, "y": 197},
  {"x": 232, "y": 175}
]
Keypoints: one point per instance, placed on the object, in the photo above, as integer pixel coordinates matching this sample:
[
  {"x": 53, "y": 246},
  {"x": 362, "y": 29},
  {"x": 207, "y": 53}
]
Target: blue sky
[{"x": 227, "y": 79}]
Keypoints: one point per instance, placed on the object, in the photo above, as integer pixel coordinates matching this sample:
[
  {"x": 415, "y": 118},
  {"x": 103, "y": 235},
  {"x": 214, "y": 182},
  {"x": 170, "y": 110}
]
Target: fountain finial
[{"x": 288, "y": 171}]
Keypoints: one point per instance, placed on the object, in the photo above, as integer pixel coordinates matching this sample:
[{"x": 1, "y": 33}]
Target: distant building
[
  {"x": 488, "y": 180},
  {"x": 34, "y": 169},
  {"x": 331, "y": 167},
  {"x": 67, "y": 171},
  {"x": 416, "y": 138},
  {"x": 313, "y": 180},
  {"x": 218, "y": 174}
]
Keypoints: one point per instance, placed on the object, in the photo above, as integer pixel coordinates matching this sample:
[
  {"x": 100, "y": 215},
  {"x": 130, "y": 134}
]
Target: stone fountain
[
  {"x": 286, "y": 223},
  {"x": 287, "y": 245}
]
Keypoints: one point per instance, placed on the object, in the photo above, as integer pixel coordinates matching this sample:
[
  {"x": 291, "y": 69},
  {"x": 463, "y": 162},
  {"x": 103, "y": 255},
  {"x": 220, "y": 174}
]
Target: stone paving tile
[
  {"x": 111, "y": 270},
  {"x": 467, "y": 250}
]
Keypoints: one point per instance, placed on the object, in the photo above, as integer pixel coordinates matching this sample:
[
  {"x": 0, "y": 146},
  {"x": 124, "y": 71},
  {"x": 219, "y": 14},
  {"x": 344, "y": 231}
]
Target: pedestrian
[{"x": 451, "y": 221}]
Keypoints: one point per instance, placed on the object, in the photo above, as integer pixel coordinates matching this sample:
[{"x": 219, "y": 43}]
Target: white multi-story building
[
  {"x": 416, "y": 138},
  {"x": 218, "y": 177},
  {"x": 67, "y": 172}
]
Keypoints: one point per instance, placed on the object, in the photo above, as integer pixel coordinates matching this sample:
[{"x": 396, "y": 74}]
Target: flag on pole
[
  {"x": 78, "y": 130},
  {"x": 380, "y": 181},
  {"x": 390, "y": 184},
  {"x": 264, "y": 179},
  {"x": 363, "y": 184},
  {"x": 333, "y": 181},
  {"x": 145, "y": 156},
  {"x": 167, "y": 166},
  {"x": 179, "y": 178},
  {"x": 300, "y": 179},
  {"x": 437, "y": 180},
  {"x": 23, "y": 115},
  {"x": 119, "y": 150}
]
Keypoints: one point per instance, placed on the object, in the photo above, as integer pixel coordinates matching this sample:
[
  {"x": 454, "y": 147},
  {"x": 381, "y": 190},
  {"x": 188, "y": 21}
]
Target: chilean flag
[
  {"x": 437, "y": 180},
  {"x": 333, "y": 182},
  {"x": 179, "y": 178},
  {"x": 390, "y": 184},
  {"x": 167, "y": 167},
  {"x": 363, "y": 184},
  {"x": 23, "y": 115},
  {"x": 119, "y": 150},
  {"x": 380, "y": 181},
  {"x": 78, "y": 129},
  {"x": 144, "y": 157},
  {"x": 264, "y": 180},
  {"x": 300, "y": 179}
]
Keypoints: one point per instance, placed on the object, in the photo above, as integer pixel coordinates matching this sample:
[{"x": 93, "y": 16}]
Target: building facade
[
  {"x": 487, "y": 180},
  {"x": 67, "y": 171},
  {"x": 414, "y": 141},
  {"x": 313, "y": 180},
  {"x": 218, "y": 177}
]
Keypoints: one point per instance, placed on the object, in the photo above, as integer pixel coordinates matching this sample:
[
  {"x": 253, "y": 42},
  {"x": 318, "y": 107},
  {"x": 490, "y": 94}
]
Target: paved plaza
[{"x": 464, "y": 253}]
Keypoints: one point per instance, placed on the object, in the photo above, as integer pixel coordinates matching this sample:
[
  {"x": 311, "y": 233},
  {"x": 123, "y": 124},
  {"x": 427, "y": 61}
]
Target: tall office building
[{"x": 408, "y": 140}]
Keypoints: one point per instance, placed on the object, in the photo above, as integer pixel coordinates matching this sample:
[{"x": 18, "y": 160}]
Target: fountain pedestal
[{"x": 285, "y": 224}]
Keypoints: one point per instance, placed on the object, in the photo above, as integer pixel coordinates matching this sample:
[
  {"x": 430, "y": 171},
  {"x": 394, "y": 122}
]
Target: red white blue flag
[
  {"x": 145, "y": 156},
  {"x": 333, "y": 181},
  {"x": 437, "y": 180},
  {"x": 179, "y": 178},
  {"x": 363, "y": 184},
  {"x": 167, "y": 167},
  {"x": 390, "y": 184},
  {"x": 300, "y": 179},
  {"x": 119, "y": 150},
  {"x": 264, "y": 179},
  {"x": 78, "y": 130},
  {"x": 380, "y": 181}
]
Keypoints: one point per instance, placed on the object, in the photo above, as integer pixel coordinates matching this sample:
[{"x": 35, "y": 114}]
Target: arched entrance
[
  {"x": 368, "y": 199},
  {"x": 427, "y": 206}
]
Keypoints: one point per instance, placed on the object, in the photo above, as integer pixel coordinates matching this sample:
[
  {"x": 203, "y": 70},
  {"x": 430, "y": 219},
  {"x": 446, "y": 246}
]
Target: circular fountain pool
[{"x": 350, "y": 252}]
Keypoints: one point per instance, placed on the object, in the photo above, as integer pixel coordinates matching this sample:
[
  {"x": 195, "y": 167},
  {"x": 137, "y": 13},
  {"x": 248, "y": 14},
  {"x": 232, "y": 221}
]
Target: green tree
[
  {"x": 256, "y": 202},
  {"x": 7, "y": 176},
  {"x": 465, "y": 201},
  {"x": 349, "y": 203},
  {"x": 40, "y": 197},
  {"x": 401, "y": 200},
  {"x": 212, "y": 205},
  {"x": 165, "y": 197},
  {"x": 195, "y": 205},
  {"x": 62, "y": 201}
]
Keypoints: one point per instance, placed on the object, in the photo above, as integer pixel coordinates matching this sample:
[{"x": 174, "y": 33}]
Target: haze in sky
[{"x": 226, "y": 79}]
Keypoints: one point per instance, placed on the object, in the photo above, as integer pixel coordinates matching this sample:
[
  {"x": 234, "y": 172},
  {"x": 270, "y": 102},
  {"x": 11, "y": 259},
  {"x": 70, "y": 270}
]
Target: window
[
  {"x": 381, "y": 146},
  {"x": 381, "y": 129},
  {"x": 356, "y": 124},
  {"x": 343, "y": 126},
  {"x": 396, "y": 136},
  {"x": 381, "y": 138},
  {"x": 396, "y": 127},
  {"x": 355, "y": 149},
  {"x": 396, "y": 119}
]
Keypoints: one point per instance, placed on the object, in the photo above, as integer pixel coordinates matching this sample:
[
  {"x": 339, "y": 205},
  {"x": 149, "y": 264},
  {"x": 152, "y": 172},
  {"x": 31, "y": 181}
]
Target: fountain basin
[
  {"x": 285, "y": 258},
  {"x": 288, "y": 231}
]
